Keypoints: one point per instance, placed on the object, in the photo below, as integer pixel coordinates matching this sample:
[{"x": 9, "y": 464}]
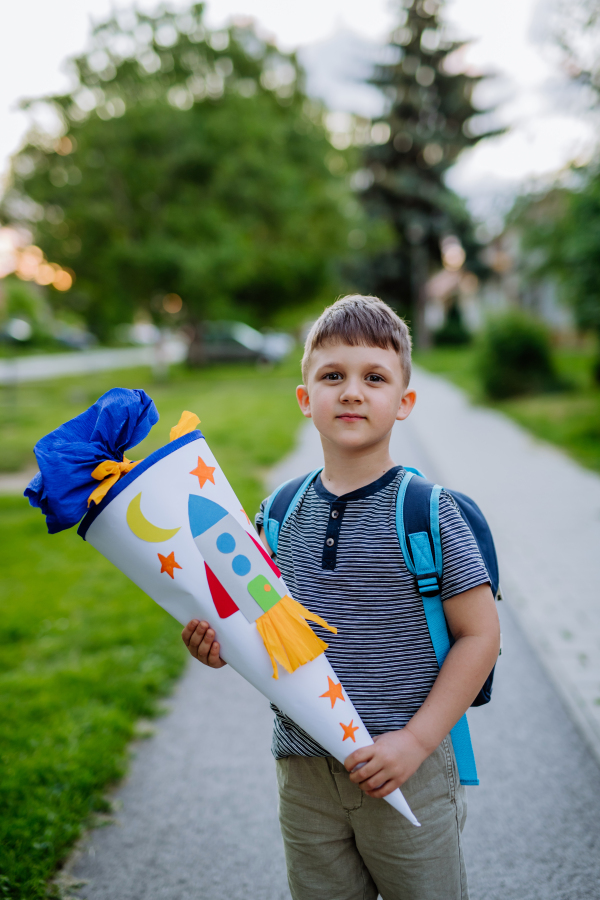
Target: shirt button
[
  {"x": 330, "y": 542},
  {"x": 334, "y": 513}
]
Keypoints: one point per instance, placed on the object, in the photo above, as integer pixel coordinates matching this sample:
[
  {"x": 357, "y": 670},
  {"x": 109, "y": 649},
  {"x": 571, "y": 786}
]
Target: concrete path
[
  {"x": 16, "y": 482},
  {"x": 544, "y": 511},
  {"x": 197, "y": 814},
  {"x": 57, "y": 365}
]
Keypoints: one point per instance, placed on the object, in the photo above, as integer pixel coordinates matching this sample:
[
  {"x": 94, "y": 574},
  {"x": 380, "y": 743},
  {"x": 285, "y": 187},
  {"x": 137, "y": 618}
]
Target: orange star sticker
[
  {"x": 349, "y": 730},
  {"x": 334, "y": 693},
  {"x": 204, "y": 472},
  {"x": 167, "y": 564}
]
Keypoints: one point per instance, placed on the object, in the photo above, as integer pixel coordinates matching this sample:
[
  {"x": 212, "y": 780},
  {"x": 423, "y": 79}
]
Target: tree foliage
[
  {"x": 560, "y": 229},
  {"x": 188, "y": 163},
  {"x": 561, "y": 232},
  {"x": 431, "y": 118}
]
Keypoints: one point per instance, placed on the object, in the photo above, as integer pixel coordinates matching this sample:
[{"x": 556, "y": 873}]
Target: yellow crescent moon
[{"x": 144, "y": 529}]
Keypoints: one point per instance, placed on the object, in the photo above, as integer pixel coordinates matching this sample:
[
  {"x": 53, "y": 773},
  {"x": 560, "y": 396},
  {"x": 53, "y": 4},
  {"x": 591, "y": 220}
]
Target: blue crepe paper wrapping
[{"x": 67, "y": 457}]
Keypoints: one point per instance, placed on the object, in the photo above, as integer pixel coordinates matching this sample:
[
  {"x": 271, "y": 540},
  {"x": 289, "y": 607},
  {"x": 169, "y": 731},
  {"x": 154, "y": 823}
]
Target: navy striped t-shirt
[{"x": 341, "y": 558}]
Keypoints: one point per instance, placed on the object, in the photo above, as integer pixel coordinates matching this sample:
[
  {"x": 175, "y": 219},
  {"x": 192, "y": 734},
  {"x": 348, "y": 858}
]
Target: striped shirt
[{"x": 341, "y": 558}]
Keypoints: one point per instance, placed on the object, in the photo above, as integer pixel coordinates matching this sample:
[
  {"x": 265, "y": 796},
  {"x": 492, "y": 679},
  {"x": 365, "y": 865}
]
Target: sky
[{"x": 547, "y": 130}]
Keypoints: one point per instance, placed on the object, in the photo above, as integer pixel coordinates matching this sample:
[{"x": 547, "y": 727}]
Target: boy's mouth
[{"x": 351, "y": 417}]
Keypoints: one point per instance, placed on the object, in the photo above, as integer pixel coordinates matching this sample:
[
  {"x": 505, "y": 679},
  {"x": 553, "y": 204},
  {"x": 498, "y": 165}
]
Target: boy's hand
[
  {"x": 387, "y": 763},
  {"x": 199, "y": 638}
]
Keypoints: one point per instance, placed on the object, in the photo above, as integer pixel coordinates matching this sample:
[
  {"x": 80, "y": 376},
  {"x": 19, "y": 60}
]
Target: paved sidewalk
[
  {"x": 57, "y": 365},
  {"x": 196, "y": 819},
  {"x": 544, "y": 511},
  {"x": 16, "y": 482}
]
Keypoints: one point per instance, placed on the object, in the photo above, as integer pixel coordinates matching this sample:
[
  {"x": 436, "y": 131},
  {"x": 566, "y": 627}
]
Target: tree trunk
[
  {"x": 419, "y": 272},
  {"x": 196, "y": 355}
]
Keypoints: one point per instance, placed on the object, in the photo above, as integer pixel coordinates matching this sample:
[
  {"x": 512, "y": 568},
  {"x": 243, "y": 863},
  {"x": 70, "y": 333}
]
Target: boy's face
[{"x": 355, "y": 394}]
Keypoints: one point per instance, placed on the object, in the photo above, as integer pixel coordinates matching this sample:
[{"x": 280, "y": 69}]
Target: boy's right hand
[{"x": 199, "y": 638}]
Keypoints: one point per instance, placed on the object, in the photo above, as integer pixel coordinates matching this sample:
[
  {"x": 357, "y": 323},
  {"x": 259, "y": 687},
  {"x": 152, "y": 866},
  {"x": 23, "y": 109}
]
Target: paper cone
[{"x": 175, "y": 527}]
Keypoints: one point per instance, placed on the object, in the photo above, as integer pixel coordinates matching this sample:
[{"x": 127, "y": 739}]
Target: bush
[{"x": 515, "y": 357}]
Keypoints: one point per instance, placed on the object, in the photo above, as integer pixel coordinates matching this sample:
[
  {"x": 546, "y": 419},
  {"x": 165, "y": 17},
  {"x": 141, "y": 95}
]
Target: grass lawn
[
  {"x": 570, "y": 418},
  {"x": 84, "y": 654}
]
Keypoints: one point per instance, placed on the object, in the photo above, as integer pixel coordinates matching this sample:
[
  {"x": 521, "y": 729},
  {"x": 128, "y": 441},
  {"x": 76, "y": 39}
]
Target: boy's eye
[
  {"x": 332, "y": 376},
  {"x": 374, "y": 378}
]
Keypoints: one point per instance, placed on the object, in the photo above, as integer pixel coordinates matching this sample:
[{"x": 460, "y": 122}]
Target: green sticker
[{"x": 263, "y": 592}]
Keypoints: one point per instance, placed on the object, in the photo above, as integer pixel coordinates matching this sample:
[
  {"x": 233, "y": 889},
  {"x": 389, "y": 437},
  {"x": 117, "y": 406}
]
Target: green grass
[
  {"x": 455, "y": 363},
  {"x": 570, "y": 419},
  {"x": 84, "y": 654},
  {"x": 225, "y": 398}
]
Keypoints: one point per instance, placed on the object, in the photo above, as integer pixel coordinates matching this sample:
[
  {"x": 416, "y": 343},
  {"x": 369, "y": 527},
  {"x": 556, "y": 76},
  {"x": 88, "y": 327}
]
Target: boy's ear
[
  {"x": 409, "y": 398},
  {"x": 303, "y": 401}
]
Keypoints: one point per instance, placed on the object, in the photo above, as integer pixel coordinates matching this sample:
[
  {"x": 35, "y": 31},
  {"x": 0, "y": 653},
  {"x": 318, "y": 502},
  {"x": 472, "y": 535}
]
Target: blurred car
[{"x": 224, "y": 341}]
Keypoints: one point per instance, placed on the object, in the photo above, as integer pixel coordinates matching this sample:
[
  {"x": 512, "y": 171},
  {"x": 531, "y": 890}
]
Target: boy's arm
[{"x": 395, "y": 756}]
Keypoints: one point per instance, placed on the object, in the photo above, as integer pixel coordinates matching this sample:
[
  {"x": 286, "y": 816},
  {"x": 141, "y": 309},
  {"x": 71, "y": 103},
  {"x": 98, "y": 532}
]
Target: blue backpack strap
[
  {"x": 282, "y": 502},
  {"x": 418, "y": 527}
]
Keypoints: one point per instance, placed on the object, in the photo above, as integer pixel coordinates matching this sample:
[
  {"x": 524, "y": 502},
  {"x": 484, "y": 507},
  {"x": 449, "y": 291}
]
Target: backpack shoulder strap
[
  {"x": 282, "y": 503},
  {"x": 418, "y": 527}
]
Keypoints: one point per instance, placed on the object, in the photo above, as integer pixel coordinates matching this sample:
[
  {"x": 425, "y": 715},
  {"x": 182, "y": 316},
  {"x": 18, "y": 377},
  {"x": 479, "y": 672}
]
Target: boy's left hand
[{"x": 388, "y": 763}]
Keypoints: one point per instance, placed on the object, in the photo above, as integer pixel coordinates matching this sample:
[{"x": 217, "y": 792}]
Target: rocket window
[
  {"x": 226, "y": 542},
  {"x": 240, "y": 564}
]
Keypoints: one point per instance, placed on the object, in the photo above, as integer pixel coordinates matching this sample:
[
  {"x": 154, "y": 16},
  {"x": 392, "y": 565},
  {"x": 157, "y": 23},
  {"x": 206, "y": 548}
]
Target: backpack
[{"x": 418, "y": 527}]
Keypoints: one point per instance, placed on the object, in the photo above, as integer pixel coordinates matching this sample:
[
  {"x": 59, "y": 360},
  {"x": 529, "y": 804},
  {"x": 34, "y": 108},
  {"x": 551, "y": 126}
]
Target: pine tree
[{"x": 430, "y": 120}]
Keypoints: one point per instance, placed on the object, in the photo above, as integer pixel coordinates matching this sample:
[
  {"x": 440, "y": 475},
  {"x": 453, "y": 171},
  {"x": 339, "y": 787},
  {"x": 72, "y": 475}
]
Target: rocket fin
[
  {"x": 266, "y": 555},
  {"x": 223, "y": 602}
]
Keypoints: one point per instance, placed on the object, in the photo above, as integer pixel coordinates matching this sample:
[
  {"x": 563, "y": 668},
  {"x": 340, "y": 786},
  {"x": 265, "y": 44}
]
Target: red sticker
[{"x": 225, "y": 605}]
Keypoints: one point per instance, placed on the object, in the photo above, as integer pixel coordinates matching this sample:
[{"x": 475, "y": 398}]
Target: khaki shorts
[{"x": 342, "y": 845}]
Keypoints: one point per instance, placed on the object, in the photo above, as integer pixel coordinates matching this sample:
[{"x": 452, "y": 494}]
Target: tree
[
  {"x": 189, "y": 174},
  {"x": 561, "y": 231},
  {"x": 430, "y": 120},
  {"x": 560, "y": 228}
]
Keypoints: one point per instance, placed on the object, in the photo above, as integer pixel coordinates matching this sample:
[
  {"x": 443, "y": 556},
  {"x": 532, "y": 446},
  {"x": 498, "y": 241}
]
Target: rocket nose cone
[{"x": 203, "y": 514}]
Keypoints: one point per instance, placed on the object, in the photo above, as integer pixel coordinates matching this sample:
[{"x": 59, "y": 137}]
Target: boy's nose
[{"x": 352, "y": 393}]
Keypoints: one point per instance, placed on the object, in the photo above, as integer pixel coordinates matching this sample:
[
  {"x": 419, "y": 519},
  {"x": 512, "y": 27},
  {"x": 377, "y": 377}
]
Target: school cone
[{"x": 174, "y": 526}]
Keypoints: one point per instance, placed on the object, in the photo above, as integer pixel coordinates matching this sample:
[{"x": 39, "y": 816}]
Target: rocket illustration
[
  {"x": 240, "y": 568},
  {"x": 235, "y": 558},
  {"x": 175, "y": 527}
]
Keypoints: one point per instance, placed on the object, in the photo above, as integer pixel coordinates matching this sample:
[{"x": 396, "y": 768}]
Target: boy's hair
[{"x": 360, "y": 321}]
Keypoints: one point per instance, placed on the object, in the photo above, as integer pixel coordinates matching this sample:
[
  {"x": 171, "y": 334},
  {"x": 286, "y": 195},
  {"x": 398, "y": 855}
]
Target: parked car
[{"x": 225, "y": 341}]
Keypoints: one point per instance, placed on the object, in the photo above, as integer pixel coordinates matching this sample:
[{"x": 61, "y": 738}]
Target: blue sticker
[
  {"x": 241, "y": 565},
  {"x": 226, "y": 542}
]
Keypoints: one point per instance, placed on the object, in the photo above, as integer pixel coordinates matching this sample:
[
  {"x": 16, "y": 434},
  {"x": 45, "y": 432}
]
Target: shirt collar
[{"x": 362, "y": 493}]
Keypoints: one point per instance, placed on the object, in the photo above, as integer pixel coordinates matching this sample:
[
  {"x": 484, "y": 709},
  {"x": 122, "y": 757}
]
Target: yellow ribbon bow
[{"x": 109, "y": 472}]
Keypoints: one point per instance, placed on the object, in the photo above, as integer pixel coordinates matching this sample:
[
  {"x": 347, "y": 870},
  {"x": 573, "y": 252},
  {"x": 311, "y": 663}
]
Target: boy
[{"x": 340, "y": 556}]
